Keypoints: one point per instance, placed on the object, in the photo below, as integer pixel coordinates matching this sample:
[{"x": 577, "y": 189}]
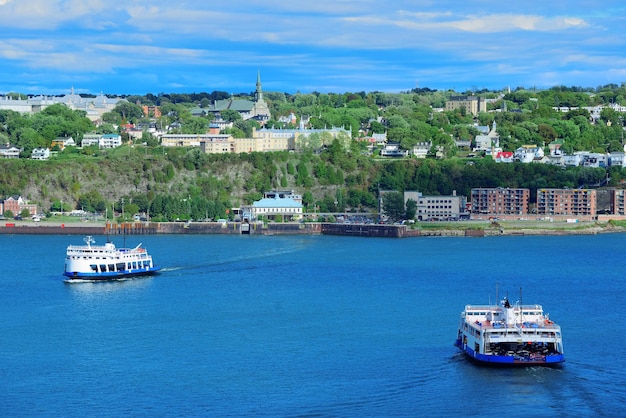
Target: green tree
[
  {"x": 411, "y": 209},
  {"x": 393, "y": 205},
  {"x": 230, "y": 115}
]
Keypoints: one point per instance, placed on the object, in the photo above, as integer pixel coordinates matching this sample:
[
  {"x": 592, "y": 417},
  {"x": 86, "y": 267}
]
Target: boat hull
[
  {"x": 512, "y": 361},
  {"x": 110, "y": 276}
]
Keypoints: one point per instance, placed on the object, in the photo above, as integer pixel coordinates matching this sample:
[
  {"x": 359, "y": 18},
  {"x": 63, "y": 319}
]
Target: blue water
[{"x": 306, "y": 326}]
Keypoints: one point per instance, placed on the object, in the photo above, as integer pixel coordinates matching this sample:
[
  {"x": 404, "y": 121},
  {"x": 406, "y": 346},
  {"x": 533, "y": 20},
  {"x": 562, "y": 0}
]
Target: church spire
[{"x": 259, "y": 91}]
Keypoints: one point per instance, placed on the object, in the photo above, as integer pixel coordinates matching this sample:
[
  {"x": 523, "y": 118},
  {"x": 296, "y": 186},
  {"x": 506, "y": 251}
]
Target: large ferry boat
[
  {"x": 506, "y": 334},
  {"x": 106, "y": 262}
]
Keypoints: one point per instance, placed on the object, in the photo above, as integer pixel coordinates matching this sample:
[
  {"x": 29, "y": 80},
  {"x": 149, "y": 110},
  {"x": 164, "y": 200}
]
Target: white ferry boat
[
  {"x": 106, "y": 262},
  {"x": 516, "y": 335}
]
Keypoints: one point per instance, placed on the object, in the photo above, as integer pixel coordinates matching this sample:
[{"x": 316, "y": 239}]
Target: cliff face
[
  {"x": 177, "y": 172},
  {"x": 43, "y": 182}
]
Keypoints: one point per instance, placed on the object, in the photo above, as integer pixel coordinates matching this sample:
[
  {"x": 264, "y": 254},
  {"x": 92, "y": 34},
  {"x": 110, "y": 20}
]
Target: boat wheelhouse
[
  {"x": 508, "y": 334},
  {"x": 106, "y": 262}
]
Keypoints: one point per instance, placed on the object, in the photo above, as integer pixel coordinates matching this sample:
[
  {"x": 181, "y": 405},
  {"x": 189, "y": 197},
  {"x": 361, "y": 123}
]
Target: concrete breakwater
[{"x": 150, "y": 228}]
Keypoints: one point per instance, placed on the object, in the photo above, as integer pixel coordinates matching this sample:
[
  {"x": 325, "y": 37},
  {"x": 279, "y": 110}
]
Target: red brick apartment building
[
  {"x": 499, "y": 201},
  {"x": 580, "y": 203}
]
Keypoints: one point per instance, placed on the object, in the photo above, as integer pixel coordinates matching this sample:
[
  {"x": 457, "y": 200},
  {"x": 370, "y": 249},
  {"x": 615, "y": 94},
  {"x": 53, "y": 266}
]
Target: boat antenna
[{"x": 106, "y": 223}]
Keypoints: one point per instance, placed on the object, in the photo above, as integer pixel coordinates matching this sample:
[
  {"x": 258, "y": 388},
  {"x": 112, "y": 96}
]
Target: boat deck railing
[{"x": 519, "y": 327}]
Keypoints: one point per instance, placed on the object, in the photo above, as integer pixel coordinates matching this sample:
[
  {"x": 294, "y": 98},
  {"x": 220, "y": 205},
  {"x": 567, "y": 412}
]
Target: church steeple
[{"x": 259, "y": 91}]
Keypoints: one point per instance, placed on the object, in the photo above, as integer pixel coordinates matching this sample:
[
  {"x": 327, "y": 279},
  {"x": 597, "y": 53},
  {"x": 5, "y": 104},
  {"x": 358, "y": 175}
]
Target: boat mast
[{"x": 521, "y": 305}]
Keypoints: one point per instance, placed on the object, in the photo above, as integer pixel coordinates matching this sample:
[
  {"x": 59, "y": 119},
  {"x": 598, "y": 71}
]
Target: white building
[
  {"x": 285, "y": 204},
  {"x": 421, "y": 149},
  {"x": 485, "y": 142},
  {"x": 94, "y": 107},
  {"x": 617, "y": 159},
  {"x": 438, "y": 207},
  {"x": 392, "y": 150},
  {"x": 40, "y": 154},
  {"x": 528, "y": 154},
  {"x": 10, "y": 151},
  {"x": 102, "y": 140}
]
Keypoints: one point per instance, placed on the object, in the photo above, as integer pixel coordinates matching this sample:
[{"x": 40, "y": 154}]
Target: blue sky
[{"x": 139, "y": 47}]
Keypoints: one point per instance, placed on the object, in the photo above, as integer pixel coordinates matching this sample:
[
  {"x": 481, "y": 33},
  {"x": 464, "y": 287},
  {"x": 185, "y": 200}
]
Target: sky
[{"x": 192, "y": 46}]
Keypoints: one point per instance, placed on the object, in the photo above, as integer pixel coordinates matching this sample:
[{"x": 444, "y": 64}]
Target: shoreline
[{"x": 448, "y": 229}]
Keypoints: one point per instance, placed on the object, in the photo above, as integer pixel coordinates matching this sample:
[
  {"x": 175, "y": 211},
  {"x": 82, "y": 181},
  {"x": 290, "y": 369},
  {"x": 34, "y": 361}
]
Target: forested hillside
[{"x": 184, "y": 183}]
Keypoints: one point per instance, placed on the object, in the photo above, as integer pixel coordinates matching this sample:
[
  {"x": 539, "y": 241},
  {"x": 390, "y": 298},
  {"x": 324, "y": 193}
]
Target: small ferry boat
[
  {"x": 505, "y": 334},
  {"x": 106, "y": 262}
]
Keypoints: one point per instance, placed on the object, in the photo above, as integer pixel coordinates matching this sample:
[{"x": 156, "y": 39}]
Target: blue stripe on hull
[
  {"x": 508, "y": 360},
  {"x": 111, "y": 275}
]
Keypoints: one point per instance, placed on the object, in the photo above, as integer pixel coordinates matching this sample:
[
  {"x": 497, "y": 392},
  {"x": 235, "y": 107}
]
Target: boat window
[
  {"x": 94, "y": 267},
  {"x": 103, "y": 268}
]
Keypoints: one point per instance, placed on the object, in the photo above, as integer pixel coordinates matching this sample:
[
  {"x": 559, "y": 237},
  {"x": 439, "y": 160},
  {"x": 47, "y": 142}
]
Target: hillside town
[{"x": 295, "y": 133}]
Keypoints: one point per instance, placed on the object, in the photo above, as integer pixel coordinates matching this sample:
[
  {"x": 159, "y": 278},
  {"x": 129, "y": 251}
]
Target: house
[
  {"x": 528, "y": 154},
  {"x": 485, "y": 142},
  {"x": 63, "y": 142},
  {"x": 393, "y": 150},
  {"x": 503, "y": 157},
  {"x": 40, "y": 154},
  {"x": 380, "y": 139},
  {"x": 90, "y": 139},
  {"x": 110, "y": 141},
  {"x": 572, "y": 160},
  {"x": 617, "y": 159},
  {"x": 291, "y": 119},
  {"x": 421, "y": 149},
  {"x": 10, "y": 151},
  {"x": 595, "y": 160},
  {"x": 463, "y": 143}
]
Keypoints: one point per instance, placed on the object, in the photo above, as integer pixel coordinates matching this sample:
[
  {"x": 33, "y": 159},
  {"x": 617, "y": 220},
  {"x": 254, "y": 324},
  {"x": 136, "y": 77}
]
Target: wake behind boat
[
  {"x": 516, "y": 335},
  {"x": 106, "y": 262}
]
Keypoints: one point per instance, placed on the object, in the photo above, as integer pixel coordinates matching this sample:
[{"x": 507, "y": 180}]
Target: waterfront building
[
  {"x": 567, "y": 202},
  {"x": 273, "y": 204},
  {"x": 495, "y": 202},
  {"x": 16, "y": 204},
  {"x": 438, "y": 208}
]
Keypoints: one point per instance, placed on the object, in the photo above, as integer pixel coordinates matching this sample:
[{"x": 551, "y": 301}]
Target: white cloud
[{"x": 332, "y": 38}]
